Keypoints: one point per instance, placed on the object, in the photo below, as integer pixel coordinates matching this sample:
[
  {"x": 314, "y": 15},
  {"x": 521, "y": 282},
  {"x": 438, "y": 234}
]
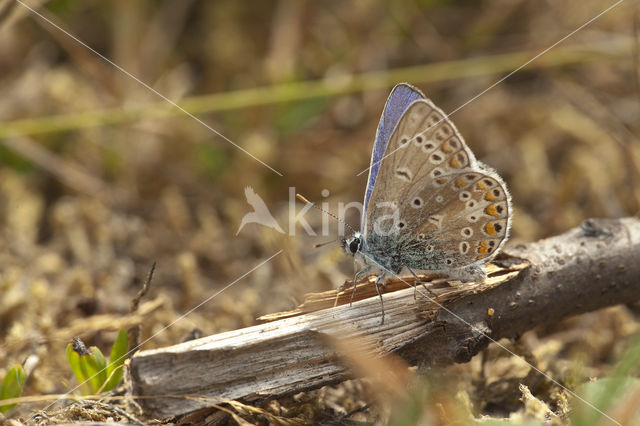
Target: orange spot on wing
[
  {"x": 447, "y": 149},
  {"x": 454, "y": 163},
  {"x": 490, "y": 197},
  {"x": 491, "y": 210},
  {"x": 484, "y": 247},
  {"x": 442, "y": 181},
  {"x": 481, "y": 186},
  {"x": 460, "y": 182},
  {"x": 491, "y": 230}
]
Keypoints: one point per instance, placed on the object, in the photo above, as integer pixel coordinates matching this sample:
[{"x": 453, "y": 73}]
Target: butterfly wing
[
  {"x": 453, "y": 211},
  {"x": 398, "y": 101}
]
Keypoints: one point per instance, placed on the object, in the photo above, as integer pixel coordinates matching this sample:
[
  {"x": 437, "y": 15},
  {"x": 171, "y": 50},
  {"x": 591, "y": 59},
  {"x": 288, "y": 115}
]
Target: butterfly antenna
[
  {"x": 324, "y": 244},
  {"x": 304, "y": 200}
]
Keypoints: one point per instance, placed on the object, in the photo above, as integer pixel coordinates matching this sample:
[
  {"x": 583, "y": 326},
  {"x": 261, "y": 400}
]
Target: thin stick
[{"x": 250, "y": 363}]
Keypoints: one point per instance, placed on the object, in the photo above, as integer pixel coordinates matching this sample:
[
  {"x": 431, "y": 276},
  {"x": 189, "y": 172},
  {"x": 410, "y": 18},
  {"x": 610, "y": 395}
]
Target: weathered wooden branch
[{"x": 590, "y": 267}]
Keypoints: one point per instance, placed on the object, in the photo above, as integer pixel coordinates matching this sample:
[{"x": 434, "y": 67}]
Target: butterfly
[{"x": 429, "y": 205}]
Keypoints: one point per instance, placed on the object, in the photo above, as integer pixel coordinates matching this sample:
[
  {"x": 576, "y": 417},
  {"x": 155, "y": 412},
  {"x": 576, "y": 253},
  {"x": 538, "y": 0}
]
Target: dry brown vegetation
[{"x": 99, "y": 177}]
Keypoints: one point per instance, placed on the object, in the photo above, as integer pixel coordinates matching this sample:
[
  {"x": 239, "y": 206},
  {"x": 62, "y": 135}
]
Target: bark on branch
[{"x": 588, "y": 268}]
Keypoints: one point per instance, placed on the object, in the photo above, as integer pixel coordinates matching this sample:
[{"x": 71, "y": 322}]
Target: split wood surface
[{"x": 592, "y": 266}]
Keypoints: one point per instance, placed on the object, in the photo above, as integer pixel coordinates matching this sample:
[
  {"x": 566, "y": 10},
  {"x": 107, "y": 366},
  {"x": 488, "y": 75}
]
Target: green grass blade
[
  {"x": 94, "y": 366},
  {"x": 609, "y": 49},
  {"x": 12, "y": 386},
  {"x": 605, "y": 392},
  {"x": 116, "y": 360},
  {"x": 73, "y": 358}
]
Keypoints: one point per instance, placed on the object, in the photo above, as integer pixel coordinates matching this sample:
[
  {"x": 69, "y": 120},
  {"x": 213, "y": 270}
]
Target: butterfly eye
[{"x": 354, "y": 245}]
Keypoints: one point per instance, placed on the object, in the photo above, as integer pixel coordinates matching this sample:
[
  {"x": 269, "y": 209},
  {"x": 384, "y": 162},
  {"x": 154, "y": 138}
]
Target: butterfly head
[{"x": 353, "y": 244}]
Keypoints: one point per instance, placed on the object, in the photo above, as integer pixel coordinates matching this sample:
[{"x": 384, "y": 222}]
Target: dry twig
[{"x": 587, "y": 268}]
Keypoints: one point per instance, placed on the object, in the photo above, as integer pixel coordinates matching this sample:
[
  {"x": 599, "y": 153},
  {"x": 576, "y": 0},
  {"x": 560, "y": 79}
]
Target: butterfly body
[
  {"x": 429, "y": 206},
  {"x": 384, "y": 249}
]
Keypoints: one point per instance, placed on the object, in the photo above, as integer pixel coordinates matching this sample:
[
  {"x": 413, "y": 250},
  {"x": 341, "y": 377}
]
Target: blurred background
[{"x": 100, "y": 177}]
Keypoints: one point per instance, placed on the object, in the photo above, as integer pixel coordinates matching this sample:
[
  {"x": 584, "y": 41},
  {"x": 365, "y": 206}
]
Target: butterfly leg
[
  {"x": 355, "y": 280},
  {"x": 415, "y": 287},
  {"x": 381, "y": 281}
]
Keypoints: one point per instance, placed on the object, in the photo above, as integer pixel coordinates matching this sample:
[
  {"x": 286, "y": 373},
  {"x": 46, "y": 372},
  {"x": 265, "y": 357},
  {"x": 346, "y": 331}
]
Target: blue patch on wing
[{"x": 399, "y": 100}]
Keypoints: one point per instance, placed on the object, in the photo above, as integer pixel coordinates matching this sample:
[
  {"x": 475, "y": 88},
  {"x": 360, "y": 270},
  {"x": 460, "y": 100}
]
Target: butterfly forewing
[
  {"x": 422, "y": 151},
  {"x": 397, "y": 103}
]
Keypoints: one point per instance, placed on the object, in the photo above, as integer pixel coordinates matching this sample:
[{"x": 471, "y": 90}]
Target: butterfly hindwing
[{"x": 468, "y": 224}]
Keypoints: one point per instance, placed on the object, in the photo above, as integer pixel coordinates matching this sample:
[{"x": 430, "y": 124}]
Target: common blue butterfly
[{"x": 429, "y": 205}]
